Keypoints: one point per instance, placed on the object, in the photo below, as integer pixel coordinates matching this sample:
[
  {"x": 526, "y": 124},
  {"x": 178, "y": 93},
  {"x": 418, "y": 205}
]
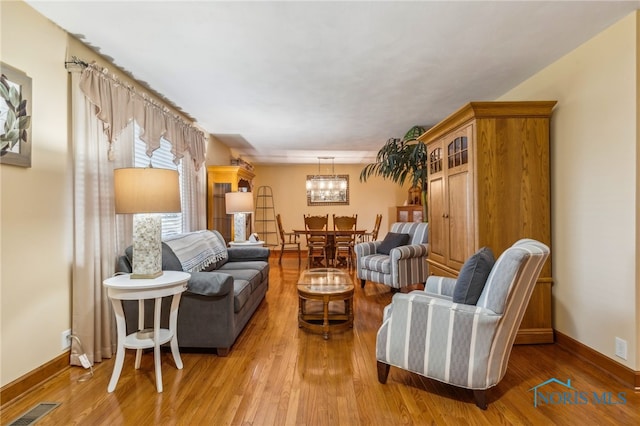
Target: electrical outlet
[
  {"x": 621, "y": 348},
  {"x": 65, "y": 339}
]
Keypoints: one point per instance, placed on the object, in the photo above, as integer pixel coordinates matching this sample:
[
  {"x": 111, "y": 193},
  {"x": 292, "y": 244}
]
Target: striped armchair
[
  {"x": 463, "y": 345},
  {"x": 404, "y": 266}
]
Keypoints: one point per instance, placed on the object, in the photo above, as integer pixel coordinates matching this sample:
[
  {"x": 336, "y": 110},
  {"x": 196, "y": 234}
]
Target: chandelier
[{"x": 327, "y": 188}]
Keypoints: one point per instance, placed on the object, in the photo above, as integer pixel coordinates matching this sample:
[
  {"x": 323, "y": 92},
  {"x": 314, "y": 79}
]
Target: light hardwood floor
[{"x": 278, "y": 374}]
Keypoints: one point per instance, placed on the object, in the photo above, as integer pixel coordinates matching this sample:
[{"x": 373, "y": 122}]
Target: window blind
[{"x": 162, "y": 158}]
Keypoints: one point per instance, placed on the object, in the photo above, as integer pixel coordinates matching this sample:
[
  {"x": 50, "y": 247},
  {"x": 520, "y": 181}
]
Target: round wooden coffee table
[{"x": 325, "y": 285}]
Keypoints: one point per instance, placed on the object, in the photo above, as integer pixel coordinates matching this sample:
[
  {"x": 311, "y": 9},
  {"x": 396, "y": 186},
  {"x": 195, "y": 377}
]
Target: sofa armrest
[
  {"x": 367, "y": 248},
  {"x": 210, "y": 283},
  {"x": 237, "y": 254},
  {"x": 410, "y": 251}
]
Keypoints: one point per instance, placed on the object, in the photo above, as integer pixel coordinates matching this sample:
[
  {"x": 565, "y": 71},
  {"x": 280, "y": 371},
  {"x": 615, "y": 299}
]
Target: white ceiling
[{"x": 286, "y": 82}]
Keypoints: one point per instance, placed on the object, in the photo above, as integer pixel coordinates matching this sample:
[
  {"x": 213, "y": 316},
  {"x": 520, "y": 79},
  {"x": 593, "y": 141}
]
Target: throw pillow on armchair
[
  {"x": 473, "y": 276},
  {"x": 391, "y": 241}
]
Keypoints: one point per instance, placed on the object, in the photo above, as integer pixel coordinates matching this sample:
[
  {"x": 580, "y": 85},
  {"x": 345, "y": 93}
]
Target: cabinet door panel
[
  {"x": 221, "y": 221},
  {"x": 459, "y": 209},
  {"x": 437, "y": 235}
]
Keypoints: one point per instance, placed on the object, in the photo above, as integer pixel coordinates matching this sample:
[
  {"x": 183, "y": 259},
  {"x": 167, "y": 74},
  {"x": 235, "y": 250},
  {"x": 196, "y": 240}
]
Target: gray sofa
[{"x": 219, "y": 300}]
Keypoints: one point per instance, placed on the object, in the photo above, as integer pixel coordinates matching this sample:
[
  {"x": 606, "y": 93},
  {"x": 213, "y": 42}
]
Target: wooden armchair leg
[
  {"x": 383, "y": 372},
  {"x": 481, "y": 398},
  {"x": 362, "y": 283}
]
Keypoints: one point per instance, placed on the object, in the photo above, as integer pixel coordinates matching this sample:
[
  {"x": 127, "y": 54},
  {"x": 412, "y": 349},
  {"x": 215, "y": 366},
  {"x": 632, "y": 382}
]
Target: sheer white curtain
[
  {"x": 96, "y": 236},
  {"x": 194, "y": 196}
]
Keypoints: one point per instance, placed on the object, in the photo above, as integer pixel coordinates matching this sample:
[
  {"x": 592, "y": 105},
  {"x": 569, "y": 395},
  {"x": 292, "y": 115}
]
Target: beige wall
[
  {"x": 218, "y": 154},
  {"x": 365, "y": 199},
  {"x": 594, "y": 155},
  {"x": 35, "y": 221}
]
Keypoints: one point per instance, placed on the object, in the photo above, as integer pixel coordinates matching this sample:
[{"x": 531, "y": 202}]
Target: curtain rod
[
  {"x": 177, "y": 113},
  {"x": 74, "y": 60}
]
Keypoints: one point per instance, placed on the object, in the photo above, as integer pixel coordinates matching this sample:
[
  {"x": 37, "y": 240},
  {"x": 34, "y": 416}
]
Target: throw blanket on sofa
[{"x": 197, "y": 250}]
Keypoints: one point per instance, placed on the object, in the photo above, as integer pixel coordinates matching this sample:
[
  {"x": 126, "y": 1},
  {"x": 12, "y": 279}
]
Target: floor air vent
[{"x": 35, "y": 414}]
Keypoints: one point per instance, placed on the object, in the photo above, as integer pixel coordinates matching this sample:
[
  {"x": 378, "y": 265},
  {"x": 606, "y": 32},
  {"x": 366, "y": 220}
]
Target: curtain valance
[{"x": 117, "y": 104}]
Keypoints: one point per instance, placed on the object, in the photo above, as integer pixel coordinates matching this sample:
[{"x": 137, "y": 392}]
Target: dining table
[{"x": 331, "y": 236}]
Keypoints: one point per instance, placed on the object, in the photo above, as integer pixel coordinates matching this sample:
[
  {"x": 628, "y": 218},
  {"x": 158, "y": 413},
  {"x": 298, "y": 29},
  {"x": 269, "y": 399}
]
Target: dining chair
[
  {"x": 373, "y": 235},
  {"x": 344, "y": 238},
  {"x": 288, "y": 240},
  {"x": 317, "y": 238}
]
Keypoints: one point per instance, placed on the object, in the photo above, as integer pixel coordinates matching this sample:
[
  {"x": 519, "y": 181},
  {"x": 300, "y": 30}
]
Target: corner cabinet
[
  {"x": 410, "y": 213},
  {"x": 220, "y": 180},
  {"x": 489, "y": 186}
]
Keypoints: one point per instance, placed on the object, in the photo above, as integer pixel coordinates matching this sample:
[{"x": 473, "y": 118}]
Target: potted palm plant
[{"x": 402, "y": 160}]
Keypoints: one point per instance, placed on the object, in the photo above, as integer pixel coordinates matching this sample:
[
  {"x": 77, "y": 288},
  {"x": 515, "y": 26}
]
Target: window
[
  {"x": 457, "y": 152},
  {"x": 161, "y": 158}
]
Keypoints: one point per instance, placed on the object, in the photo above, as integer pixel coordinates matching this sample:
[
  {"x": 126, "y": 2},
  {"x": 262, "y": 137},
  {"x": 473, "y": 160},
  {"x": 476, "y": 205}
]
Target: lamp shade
[
  {"x": 238, "y": 202},
  {"x": 146, "y": 190}
]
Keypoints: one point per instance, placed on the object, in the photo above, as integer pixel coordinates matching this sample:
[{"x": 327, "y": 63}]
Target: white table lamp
[
  {"x": 146, "y": 192},
  {"x": 238, "y": 204}
]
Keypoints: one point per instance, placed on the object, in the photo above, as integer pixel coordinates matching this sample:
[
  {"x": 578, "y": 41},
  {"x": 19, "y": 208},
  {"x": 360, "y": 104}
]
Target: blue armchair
[
  {"x": 403, "y": 266},
  {"x": 425, "y": 332}
]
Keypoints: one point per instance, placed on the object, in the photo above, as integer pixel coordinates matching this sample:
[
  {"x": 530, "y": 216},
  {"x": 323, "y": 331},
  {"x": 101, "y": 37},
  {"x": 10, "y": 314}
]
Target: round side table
[{"x": 122, "y": 287}]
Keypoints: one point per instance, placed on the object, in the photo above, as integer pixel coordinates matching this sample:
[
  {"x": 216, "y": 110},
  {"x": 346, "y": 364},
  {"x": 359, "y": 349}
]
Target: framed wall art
[{"x": 15, "y": 117}]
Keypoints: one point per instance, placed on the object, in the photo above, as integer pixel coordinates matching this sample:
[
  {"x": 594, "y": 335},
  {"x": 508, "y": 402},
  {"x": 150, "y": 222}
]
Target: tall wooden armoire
[{"x": 489, "y": 186}]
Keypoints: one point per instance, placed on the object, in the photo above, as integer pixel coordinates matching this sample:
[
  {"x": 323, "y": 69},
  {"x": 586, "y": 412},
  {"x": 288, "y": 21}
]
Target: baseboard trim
[
  {"x": 618, "y": 371},
  {"x": 534, "y": 336},
  {"x": 13, "y": 390}
]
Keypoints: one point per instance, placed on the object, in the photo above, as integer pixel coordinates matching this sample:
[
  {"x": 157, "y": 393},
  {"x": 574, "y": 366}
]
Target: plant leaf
[
  {"x": 4, "y": 92},
  {"x": 24, "y": 122},
  {"x": 11, "y": 120},
  {"x": 3, "y": 81},
  {"x": 399, "y": 160},
  {"x": 14, "y": 96},
  {"x": 414, "y": 133},
  {"x": 22, "y": 108},
  {"x": 13, "y": 136}
]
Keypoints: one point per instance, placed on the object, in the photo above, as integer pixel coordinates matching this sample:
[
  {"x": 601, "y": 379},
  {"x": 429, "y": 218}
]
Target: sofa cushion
[
  {"x": 418, "y": 231},
  {"x": 255, "y": 265},
  {"x": 253, "y": 277},
  {"x": 248, "y": 253},
  {"x": 473, "y": 276},
  {"x": 170, "y": 261},
  {"x": 241, "y": 294},
  {"x": 391, "y": 241},
  {"x": 377, "y": 263},
  {"x": 215, "y": 265}
]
